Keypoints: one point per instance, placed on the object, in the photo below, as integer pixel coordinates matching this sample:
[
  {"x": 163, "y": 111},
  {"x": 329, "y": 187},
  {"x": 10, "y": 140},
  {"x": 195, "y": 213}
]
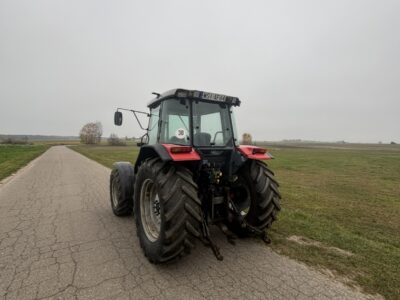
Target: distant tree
[
  {"x": 14, "y": 141},
  {"x": 114, "y": 140},
  {"x": 100, "y": 131},
  {"x": 247, "y": 139},
  {"x": 392, "y": 143},
  {"x": 91, "y": 133}
]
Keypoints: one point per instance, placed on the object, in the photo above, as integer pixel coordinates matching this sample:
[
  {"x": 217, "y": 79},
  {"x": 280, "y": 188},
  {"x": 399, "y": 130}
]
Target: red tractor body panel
[
  {"x": 181, "y": 153},
  {"x": 254, "y": 152}
]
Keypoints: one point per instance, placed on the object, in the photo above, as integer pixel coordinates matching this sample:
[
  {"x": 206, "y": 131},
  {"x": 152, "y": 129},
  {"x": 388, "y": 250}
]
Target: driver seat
[{"x": 202, "y": 139}]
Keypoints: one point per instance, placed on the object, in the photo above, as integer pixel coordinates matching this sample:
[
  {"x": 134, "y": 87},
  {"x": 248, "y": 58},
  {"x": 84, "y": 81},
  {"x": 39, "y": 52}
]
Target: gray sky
[{"x": 318, "y": 70}]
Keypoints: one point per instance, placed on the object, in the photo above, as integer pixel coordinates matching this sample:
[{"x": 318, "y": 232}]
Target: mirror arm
[
  {"x": 134, "y": 113},
  {"x": 137, "y": 119}
]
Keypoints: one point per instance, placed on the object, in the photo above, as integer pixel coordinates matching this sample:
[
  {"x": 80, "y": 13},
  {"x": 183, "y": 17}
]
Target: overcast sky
[{"x": 316, "y": 70}]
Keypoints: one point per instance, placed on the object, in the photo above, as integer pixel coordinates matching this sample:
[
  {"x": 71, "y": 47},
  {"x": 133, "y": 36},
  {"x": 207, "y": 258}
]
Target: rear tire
[
  {"x": 263, "y": 196},
  {"x": 121, "y": 188},
  {"x": 167, "y": 209}
]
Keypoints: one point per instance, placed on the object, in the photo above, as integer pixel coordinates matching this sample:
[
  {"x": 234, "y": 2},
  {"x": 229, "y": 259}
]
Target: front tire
[
  {"x": 257, "y": 199},
  {"x": 121, "y": 188},
  {"x": 167, "y": 209}
]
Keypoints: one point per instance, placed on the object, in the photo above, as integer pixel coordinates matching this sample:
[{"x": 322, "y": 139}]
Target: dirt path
[{"x": 59, "y": 238}]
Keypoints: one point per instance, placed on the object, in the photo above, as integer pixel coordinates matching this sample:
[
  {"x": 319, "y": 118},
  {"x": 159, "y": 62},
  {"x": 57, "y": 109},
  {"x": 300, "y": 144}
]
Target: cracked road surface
[{"x": 60, "y": 240}]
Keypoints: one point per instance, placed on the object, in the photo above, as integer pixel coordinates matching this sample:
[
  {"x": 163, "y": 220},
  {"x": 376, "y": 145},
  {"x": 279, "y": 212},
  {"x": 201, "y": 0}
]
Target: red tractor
[{"x": 191, "y": 173}]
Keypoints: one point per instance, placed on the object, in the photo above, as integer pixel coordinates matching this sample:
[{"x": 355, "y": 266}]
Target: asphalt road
[{"x": 59, "y": 239}]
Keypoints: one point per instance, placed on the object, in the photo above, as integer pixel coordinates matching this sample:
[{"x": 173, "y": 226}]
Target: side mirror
[{"x": 118, "y": 118}]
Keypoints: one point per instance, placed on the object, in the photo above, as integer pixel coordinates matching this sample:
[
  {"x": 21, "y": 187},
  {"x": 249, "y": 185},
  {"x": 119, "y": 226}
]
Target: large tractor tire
[
  {"x": 121, "y": 188},
  {"x": 256, "y": 196},
  {"x": 167, "y": 209}
]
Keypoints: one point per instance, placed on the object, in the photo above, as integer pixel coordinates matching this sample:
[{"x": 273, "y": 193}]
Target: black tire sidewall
[
  {"x": 244, "y": 177},
  {"x": 153, "y": 249},
  {"x": 114, "y": 184},
  {"x": 251, "y": 217},
  {"x": 121, "y": 178},
  {"x": 255, "y": 198}
]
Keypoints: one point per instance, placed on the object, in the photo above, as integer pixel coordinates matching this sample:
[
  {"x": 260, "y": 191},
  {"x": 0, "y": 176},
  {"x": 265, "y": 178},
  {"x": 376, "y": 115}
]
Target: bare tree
[
  {"x": 99, "y": 131},
  {"x": 247, "y": 139},
  {"x": 91, "y": 133},
  {"x": 114, "y": 140}
]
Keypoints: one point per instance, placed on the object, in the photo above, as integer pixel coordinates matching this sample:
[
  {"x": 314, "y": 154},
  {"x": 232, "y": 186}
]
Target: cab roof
[{"x": 194, "y": 94}]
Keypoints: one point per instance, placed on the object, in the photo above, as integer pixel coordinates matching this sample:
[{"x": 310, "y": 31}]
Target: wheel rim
[
  {"x": 114, "y": 193},
  {"x": 150, "y": 210},
  {"x": 241, "y": 198}
]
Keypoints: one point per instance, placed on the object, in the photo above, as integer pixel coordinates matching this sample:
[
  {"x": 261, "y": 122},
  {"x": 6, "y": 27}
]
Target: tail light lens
[
  {"x": 259, "y": 151},
  {"x": 181, "y": 149}
]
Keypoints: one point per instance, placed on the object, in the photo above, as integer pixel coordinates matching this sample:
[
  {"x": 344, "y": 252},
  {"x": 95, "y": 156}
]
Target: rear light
[
  {"x": 259, "y": 151},
  {"x": 181, "y": 149}
]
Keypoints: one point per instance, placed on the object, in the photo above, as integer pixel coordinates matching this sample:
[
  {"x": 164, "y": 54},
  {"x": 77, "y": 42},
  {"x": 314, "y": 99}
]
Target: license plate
[{"x": 213, "y": 97}]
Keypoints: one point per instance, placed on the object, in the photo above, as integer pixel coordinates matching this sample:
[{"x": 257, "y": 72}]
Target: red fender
[
  {"x": 254, "y": 152},
  {"x": 181, "y": 153}
]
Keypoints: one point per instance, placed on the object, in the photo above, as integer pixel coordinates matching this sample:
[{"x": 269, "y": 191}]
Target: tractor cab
[
  {"x": 202, "y": 123},
  {"x": 192, "y": 118}
]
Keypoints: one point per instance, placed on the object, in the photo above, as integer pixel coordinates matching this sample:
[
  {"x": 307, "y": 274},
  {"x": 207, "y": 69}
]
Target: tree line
[{"x": 91, "y": 134}]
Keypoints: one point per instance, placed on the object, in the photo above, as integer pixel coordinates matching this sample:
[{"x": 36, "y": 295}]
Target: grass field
[
  {"x": 13, "y": 157},
  {"x": 348, "y": 199},
  {"x": 341, "y": 209},
  {"x": 107, "y": 155},
  {"x": 57, "y": 142}
]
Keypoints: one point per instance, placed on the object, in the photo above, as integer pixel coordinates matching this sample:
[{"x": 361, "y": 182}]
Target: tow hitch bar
[{"x": 207, "y": 241}]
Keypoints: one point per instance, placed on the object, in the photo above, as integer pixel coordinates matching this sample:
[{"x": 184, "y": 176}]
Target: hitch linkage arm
[{"x": 208, "y": 242}]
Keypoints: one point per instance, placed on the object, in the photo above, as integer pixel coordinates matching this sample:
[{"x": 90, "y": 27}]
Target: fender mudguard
[
  {"x": 163, "y": 151},
  {"x": 254, "y": 152}
]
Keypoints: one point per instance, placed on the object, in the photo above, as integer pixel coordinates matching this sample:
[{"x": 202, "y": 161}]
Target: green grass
[
  {"x": 13, "y": 157},
  {"x": 107, "y": 155},
  {"x": 57, "y": 142},
  {"x": 347, "y": 198}
]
